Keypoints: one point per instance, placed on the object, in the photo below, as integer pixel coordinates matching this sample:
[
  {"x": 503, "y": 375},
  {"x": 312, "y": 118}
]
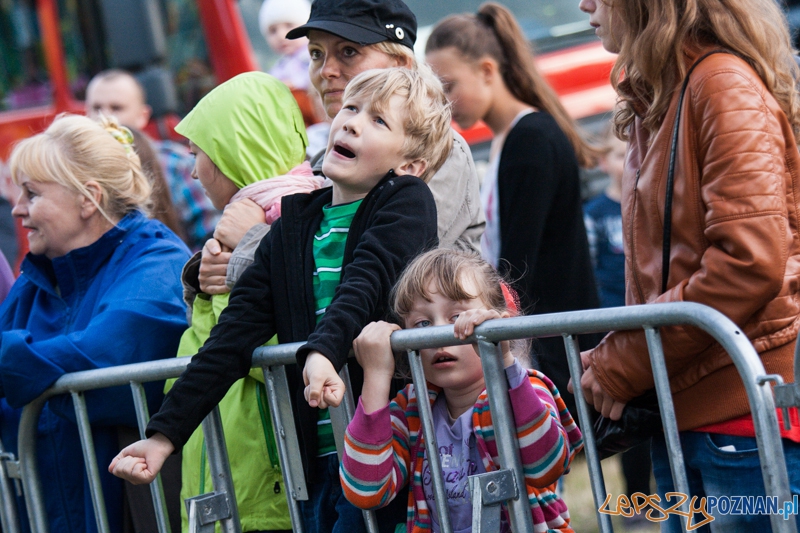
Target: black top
[
  {"x": 543, "y": 244},
  {"x": 395, "y": 222},
  {"x": 542, "y": 234}
]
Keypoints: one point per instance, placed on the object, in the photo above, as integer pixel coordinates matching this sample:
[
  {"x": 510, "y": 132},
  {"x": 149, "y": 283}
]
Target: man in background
[{"x": 118, "y": 93}]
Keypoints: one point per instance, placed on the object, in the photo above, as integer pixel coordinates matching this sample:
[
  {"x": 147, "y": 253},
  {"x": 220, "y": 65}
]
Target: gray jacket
[{"x": 455, "y": 189}]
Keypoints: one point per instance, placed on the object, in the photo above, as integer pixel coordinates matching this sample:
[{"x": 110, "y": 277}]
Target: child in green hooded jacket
[{"x": 245, "y": 131}]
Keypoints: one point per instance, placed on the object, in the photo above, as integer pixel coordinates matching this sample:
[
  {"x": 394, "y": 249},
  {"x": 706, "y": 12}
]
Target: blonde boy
[{"x": 320, "y": 275}]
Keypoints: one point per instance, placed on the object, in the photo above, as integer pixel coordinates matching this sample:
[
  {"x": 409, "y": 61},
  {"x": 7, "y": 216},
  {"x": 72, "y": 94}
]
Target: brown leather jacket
[{"x": 735, "y": 243}]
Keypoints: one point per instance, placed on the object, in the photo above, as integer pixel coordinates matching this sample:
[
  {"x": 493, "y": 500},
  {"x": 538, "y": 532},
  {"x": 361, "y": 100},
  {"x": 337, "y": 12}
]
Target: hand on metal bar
[
  {"x": 141, "y": 462},
  {"x": 594, "y": 392},
  {"x": 324, "y": 387},
  {"x": 373, "y": 351},
  {"x": 466, "y": 322}
]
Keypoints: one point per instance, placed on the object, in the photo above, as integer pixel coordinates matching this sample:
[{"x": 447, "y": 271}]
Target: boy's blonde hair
[
  {"x": 75, "y": 150},
  {"x": 427, "y": 113}
]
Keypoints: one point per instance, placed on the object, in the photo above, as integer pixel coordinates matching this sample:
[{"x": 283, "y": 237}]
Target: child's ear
[
  {"x": 488, "y": 68},
  {"x": 416, "y": 168}
]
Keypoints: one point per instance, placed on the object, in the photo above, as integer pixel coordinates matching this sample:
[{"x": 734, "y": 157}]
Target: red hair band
[{"x": 511, "y": 298}]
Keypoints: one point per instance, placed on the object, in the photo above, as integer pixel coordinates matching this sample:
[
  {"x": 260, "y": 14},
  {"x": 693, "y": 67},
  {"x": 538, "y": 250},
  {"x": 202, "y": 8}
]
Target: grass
[{"x": 577, "y": 493}]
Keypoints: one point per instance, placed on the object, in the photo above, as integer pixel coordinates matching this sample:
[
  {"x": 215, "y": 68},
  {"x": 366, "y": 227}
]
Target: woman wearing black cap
[{"x": 347, "y": 37}]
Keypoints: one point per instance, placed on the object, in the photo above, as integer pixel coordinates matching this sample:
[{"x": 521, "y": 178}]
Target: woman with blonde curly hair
[
  {"x": 723, "y": 231},
  {"x": 99, "y": 288}
]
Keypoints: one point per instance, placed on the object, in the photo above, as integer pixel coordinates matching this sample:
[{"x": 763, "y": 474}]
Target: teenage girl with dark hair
[{"x": 531, "y": 192}]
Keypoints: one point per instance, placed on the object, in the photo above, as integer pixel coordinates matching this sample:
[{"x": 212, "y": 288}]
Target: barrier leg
[
  {"x": 9, "y": 519},
  {"x": 280, "y": 407},
  {"x": 488, "y": 491},
  {"x": 340, "y": 418},
  {"x": 90, "y": 460},
  {"x": 29, "y": 468},
  {"x": 590, "y": 444},
  {"x": 156, "y": 488},
  {"x": 519, "y": 510},
  {"x": 431, "y": 449},
  {"x": 667, "y": 409},
  {"x": 219, "y": 506}
]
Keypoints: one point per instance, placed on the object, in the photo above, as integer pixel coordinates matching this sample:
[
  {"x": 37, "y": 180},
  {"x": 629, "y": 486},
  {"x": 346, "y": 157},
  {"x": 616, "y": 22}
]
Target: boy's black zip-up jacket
[{"x": 395, "y": 222}]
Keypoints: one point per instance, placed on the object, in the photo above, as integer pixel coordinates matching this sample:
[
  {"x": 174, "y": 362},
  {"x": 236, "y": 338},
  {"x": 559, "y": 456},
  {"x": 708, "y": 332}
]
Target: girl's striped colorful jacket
[{"x": 382, "y": 448}]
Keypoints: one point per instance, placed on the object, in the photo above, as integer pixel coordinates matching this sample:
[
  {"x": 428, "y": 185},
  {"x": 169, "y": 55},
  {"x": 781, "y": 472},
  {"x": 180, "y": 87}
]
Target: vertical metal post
[
  {"x": 340, "y": 418},
  {"x": 519, "y": 509},
  {"x": 429, "y": 433},
  {"x": 280, "y": 407},
  {"x": 770, "y": 450},
  {"x": 667, "y": 409},
  {"x": 29, "y": 467},
  {"x": 90, "y": 461},
  {"x": 220, "y": 468},
  {"x": 590, "y": 443},
  {"x": 157, "y": 487},
  {"x": 9, "y": 519}
]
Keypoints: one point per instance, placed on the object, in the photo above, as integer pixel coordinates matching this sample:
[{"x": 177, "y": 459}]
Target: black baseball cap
[{"x": 362, "y": 21}]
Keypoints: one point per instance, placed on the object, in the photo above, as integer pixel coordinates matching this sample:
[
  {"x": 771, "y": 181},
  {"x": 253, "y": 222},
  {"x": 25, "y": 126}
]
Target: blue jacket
[{"x": 114, "y": 302}]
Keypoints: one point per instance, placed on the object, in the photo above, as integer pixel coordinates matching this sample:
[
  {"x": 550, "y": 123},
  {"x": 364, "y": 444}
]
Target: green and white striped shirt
[{"x": 328, "y": 249}]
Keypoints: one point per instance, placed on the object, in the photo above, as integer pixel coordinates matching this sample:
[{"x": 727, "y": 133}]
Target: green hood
[{"x": 250, "y": 127}]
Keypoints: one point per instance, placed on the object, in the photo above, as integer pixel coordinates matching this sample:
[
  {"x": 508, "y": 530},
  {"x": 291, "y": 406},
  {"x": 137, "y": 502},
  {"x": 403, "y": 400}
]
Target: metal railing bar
[
  {"x": 590, "y": 443},
  {"x": 282, "y": 354},
  {"x": 90, "y": 462},
  {"x": 635, "y": 317},
  {"x": 156, "y": 487},
  {"x": 220, "y": 469},
  {"x": 668, "y": 420},
  {"x": 496, "y": 383},
  {"x": 572, "y": 323},
  {"x": 429, "y": 434},
  {"x": 581, "y": 322},
  {"x": 284, "y": 429}
]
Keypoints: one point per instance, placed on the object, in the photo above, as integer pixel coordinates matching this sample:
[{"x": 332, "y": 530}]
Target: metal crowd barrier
[{"x": 488, "y": 490}]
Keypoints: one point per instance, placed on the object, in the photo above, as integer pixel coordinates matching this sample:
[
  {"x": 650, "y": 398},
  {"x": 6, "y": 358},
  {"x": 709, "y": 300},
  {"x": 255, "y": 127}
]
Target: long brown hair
[
  {"x": 657, "y": 34},
  {"x": 494, "y": 32},
  {"x": 163, "y": 208}
]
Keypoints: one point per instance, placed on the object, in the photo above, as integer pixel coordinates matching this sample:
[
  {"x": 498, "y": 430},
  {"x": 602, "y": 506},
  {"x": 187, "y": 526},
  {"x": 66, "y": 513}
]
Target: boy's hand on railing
[
  {"x": 373, "y": 350},
  {"x": 141, "y": 462},
  {"x": 467, "y": 321},
  {"x": 324, "y": 387},
  {"x": 214, "y": 268}
]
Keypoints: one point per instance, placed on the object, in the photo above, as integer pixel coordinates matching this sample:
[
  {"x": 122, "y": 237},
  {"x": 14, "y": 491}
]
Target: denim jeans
[
  {"x": 715, "y": 470},
  {"x": 327, "y": 510}
]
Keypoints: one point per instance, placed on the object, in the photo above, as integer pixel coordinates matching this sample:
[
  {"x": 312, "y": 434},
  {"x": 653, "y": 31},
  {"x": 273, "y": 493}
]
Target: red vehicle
[{"x": 180, "y": 49}]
